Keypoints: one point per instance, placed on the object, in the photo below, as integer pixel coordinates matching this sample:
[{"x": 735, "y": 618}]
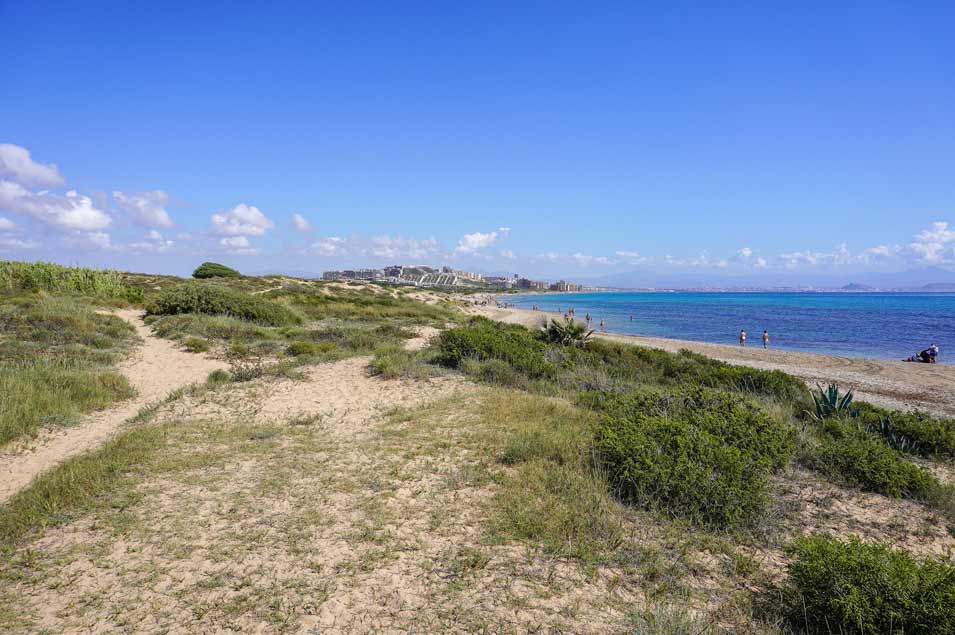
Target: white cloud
[
  {"x": 760, "y": 263},
  {"x": 330, "y": 246},
  {"x": 241, "y": 220},
  {"x": 470, "y": 243},
  {"x": 6, "y": 224},
  {"x": 507, "y": 253},
  {"x": 632, "y": 257},
  {"x": 15, "y": 162},
  {"x": 146, "y": 208},
  {"x": 584, "y": 260},
  {"x": 154, "y": 243},
  {"x": 239, "y": 245},
  {"x": 745, "y": 253},
  {"x": 932, "y": 245},
  {"x": 397, "y": 247},
  {"x": 9, "y": 243},
  {"x": 301, "y": 223},
  {"x": 550, "y": 256},
  {"x": 879, "y": 251},
  {"x": 71, "y": 211}
]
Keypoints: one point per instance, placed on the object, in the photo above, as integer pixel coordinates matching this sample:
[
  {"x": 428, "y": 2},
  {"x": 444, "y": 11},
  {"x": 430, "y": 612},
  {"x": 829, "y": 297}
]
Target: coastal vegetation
[
  {"x": 647, "y": 485},
  {"x": 214, "y": 270}
]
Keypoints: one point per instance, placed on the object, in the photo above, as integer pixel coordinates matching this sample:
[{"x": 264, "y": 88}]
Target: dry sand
[
  {"x": 892, "y": 384},
  {"x": 154, "y": 369}
]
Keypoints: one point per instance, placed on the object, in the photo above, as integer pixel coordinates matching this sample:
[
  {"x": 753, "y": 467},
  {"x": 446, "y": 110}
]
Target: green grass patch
[
  {"x": 77, "y": 484},
  {"x": 47, "y": 276}
]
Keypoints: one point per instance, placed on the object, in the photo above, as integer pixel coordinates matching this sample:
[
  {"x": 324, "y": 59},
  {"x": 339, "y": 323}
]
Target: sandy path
[
  {"x": 154, "y": 369},
  {"x": 886, "y": 383}
]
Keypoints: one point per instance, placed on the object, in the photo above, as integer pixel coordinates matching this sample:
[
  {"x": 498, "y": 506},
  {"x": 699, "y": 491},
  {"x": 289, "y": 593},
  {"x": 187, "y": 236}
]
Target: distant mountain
[
  {"x": 939, "y": 286},
  {"x": 855, "y": 286}
]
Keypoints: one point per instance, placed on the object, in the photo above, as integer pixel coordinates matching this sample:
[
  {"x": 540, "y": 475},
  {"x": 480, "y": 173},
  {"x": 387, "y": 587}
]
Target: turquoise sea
[{"x": 878, "y": 325}]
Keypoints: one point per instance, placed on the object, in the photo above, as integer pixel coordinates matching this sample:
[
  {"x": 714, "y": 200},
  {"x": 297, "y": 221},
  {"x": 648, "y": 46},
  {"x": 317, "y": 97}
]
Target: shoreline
[{"x": 892, "y": 384}]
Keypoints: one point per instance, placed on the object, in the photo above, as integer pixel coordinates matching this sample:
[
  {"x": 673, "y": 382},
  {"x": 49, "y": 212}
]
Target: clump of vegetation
[
  {"x": 867, "y": 589},
  {"x": 195, "y": 345},
  {"x": 218, "y": 377},
  {"x": 828, "y": 403},
  {"x": 910, "y": 432},
  {"x": 47, "y": 276},
  {"x": 483, "y": 340},
  {"x": 602, "y": 365},
  {"x": 863, "y": 460},
  {"x": 214, "y": 270},
  {"x": 56, "y": 358},
  {"x": 364, "y": 305},
  {"x": 702, "y": 454},
  {"x": 568, "y": 333},
  {"x": 214, "y": 300}
]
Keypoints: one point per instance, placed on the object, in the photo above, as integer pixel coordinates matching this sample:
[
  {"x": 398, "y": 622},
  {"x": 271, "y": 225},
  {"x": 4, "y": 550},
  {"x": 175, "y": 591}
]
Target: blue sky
[{"x": 545, "y": 138}]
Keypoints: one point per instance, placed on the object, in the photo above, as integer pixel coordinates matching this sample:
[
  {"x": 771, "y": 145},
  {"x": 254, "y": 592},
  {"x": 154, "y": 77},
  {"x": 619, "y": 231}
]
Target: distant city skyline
[{"x": 643, "y": 144}]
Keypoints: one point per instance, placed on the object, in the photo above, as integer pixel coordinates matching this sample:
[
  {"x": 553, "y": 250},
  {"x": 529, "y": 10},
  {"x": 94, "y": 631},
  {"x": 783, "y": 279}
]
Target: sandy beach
[{"x": 893, "y": 384}]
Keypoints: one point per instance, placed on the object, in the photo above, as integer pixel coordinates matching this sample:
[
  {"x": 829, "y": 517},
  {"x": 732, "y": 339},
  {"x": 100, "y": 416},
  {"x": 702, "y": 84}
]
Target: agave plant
[
  {"x": 829, "y": 403},
  {"x": 569, "y": 333}
]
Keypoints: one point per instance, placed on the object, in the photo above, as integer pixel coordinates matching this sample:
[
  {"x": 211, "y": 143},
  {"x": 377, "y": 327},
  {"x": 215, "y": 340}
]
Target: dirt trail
[{"x": 154, "y": 369}]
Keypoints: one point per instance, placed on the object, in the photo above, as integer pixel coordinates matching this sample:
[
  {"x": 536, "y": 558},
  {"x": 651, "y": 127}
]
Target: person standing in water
[
  {"x": 765, "y": 339},
  {"x": 742, "y": 337}
]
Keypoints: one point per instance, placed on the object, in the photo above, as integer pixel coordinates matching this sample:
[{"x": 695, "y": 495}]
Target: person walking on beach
[
  {"x": 601, "y": 325},
  {"x": 765, "y": 339},
  {"x": 742, "y": 337}
]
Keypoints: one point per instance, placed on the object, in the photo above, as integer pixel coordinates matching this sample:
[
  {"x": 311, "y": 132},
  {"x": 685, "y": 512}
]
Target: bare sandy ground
[
  {"x": 154, "y": 369},
  {"x": 929, "y": 387}
]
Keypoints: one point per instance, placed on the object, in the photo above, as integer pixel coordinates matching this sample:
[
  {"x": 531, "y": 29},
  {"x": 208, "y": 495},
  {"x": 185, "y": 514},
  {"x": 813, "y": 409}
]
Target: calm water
[{"x": 880, "y": 325}]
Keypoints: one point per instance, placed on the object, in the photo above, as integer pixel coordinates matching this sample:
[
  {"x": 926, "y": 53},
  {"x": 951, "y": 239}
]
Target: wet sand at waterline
[{"x": 892, "y": 384}]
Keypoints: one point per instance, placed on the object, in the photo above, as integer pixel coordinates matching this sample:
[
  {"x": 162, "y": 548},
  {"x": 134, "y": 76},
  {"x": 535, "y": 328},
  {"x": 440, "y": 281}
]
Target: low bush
[
  {"x": 682, "y": 469},
  {"x": 195, "y": 345},
  {"x": 484, "y": 340},
  {"x": 298, "y": 349},
  {"x": 213, "y": 300},
  {"x": 911, "y": 432},
  {"x": 218, "y": 377},
  {"x": 867, "y": 589},
  {"x": 214, "y": 270},
  {"x": 862, "y": 460},
  {"x": 701, "y": 453}
]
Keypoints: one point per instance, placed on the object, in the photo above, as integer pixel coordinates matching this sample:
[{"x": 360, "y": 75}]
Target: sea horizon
[{"x": 887, "y": 325}]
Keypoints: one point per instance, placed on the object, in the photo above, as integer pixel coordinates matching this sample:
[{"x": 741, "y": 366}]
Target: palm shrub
[
  {"x": 214, "y": 270},
  {"x": 568, "y": 333},
  {"x": 828, "y": 403},
  {"x": 855, "y": 588}
]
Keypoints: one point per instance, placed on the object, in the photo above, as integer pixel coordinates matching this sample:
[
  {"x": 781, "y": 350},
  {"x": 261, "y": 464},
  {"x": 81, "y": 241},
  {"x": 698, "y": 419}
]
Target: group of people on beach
[{"x": 742, "y": 338}]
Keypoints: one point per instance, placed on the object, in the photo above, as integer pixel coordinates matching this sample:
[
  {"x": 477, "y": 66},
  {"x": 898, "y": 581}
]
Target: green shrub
[
  {"x": 195, "y": 345},
  {"x": 218, "y": 377},
  {"x": 911, "y": 432},
  {"x": 683, "y": 469},
  {"x": 728, "y": 416},
  {"x": 862, "y": 460},
  {"x": 867, "y": 589},
  {"x": 483, "y": 340},
  {"x": 296, "y": 349},
  {"x": 214, "y": 270},
  {"x": 213, "y": 300}
]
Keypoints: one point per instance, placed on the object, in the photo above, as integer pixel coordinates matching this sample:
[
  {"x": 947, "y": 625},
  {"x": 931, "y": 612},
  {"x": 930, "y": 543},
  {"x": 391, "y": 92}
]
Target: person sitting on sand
[
  {"x": 742, "y": 337},
  {"x": 765, "y": 339},
  {"x": 928, "y": 356}
]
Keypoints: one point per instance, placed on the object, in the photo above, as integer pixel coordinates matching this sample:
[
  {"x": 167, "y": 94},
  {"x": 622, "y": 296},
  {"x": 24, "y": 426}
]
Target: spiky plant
[
  {"x": 569, "y": 333},
  {"x": 829, "y": 403}
]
